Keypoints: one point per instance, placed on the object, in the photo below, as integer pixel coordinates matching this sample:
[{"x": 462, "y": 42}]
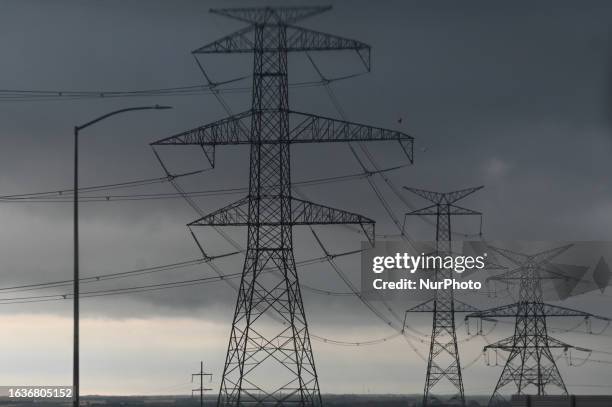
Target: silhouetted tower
[
  {"x": 443, "y": 361},
  {"x": 270, "y": 361},
  {"x": 530, "y": 366},
  {"x": 201, "y": 389}
]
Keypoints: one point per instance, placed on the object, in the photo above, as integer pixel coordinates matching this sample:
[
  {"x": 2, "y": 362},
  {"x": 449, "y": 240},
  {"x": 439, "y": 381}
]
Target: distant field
[{"x": 185, "y": 401}]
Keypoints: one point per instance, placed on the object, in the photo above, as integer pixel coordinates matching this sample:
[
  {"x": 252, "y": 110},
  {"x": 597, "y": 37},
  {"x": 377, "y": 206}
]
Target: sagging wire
[
  {"x": 111, "y": 276},
  {"x": 370, "y": 157},
  {"x": 104, "y": 187},
  {"x": 66, "y": 195},
  {"x": 25, "y": 95}
]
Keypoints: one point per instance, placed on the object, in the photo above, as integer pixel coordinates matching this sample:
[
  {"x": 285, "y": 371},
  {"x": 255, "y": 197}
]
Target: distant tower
[
  {"x": 201, "y": 389},
  {"x": 443, "y": 361},
  {"x": 270, "y": 360},
  {"x": 530, "y": 366}
]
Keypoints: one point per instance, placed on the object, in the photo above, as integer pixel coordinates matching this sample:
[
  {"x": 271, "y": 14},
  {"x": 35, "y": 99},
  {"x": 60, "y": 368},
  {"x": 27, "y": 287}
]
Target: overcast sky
[{"x": 512, "y": 95}]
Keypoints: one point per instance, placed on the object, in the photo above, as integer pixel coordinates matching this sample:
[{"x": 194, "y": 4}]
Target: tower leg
[{"x": 263, "y": 348}]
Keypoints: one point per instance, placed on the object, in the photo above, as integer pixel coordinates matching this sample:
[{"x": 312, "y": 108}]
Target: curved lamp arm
[{"x": 129, "y": 109}]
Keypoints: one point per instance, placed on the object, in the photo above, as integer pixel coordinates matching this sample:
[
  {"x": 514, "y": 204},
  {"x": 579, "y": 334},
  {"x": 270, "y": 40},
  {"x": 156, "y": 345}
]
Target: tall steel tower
[
  {"x": 443, "y": 361},
  {"x": 531, "y": 366},
  {"x": 270, "y": 361}
]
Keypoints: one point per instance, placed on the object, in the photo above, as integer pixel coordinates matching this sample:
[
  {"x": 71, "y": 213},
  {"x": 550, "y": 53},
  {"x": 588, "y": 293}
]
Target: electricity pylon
[
  {"x": 530, "y": 362},
  {"x": 270, "y": 362},
  {"x": 443, "y": 361},
  {"x": 201, "y": 389}
]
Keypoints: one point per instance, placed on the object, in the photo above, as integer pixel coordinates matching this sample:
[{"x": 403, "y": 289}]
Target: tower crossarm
[
  {"x": 270, "y": 15},
  {"x": 513, "y": 274},
  {"x": 428, "y": 306},
  {"x": 509, "y": 344},
  {"x": 240, "y": 41},
  {"x": 435, "y": 197},
  {"x": 455, "y": 196},
  {"x": 308, "y": 128},
  {"x": 555, "y": 343},
  {"x": 232, "y": 130},
  {"x": 302, "y": 213},
  {"x": 558, "y": 311},
  {"x": 234, "y": 214},
  {"x": 536, "y": 259},
  {"x": 458, "y": 210},
  {"x": 443, "y": 197},
  {"x": 504, "y": 344},
  {"x": 536, "y": 310},
  {"x": 497, "y": 312},
  {"x": 556, "y": 271},
  {"x": 298, "y": 39},
  {"x": 303, "y": 39},
  {"x": 547, "y": 271},
  {"x": 433, "y": 210}
]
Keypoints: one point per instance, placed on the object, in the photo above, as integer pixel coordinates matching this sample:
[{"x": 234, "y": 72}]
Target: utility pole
[
  {"x": 201, "y": 389},
  {"x": 443, "y": 361},
  {"x": 530, "y": 365},
  {"x": 270, "y": 361}
]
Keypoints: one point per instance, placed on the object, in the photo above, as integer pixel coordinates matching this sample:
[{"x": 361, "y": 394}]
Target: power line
[
  {"x": 65, "y": 195},
  {"x": 394, "y": 188},
  {"x": 147, "y": 270},
  {"x": 131, "y": 273},
  {"x": 103, "y": 187},
  {"x": 104, "y": 277},
  {"x": 34, "y": 95},
  {"x": 125, "y": 290}
]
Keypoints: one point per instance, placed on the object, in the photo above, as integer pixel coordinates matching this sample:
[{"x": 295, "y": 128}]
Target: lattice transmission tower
[
  {"x": 531, "y": 365},
  {"x": 443, "y": 361},
  {"x": 270, "y": 361}
]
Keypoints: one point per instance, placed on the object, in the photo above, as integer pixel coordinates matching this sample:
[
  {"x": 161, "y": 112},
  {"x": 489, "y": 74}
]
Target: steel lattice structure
[
  {"x": 443, "y": 361},
  {"x": 270, "y": 361},
  {"x": 530, "y": 365}
]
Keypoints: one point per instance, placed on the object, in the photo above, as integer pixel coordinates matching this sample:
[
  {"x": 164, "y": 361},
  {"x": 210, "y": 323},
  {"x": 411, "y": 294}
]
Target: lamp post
[{"x": 77, "y": 129}]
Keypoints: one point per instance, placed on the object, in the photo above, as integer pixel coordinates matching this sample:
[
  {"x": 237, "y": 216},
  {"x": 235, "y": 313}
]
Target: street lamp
[{"x": 77, "y": 129}]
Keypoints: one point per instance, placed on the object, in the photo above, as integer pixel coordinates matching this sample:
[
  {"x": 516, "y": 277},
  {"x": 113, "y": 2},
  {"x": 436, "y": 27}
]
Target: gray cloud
[{"x": 515, "y": 96}]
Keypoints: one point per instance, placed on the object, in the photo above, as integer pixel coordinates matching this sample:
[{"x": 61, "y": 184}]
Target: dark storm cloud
[{"x": 515, "y": 96}]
